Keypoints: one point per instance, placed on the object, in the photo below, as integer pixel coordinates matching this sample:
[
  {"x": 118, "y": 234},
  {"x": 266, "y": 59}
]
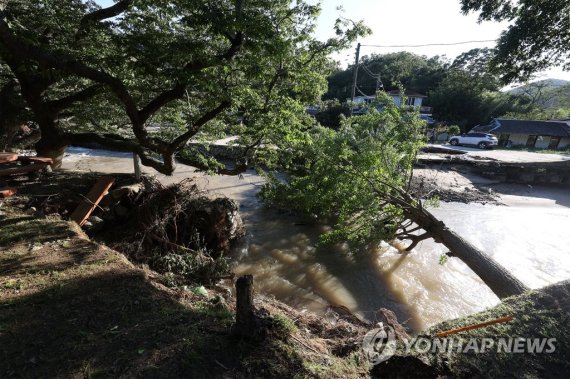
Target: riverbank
[
  {"x": 283, "y": 255},
  {"x": 71, "y": 307},
  {"x": 462, "y": 184},
  {"x": 527, "y": 233}
]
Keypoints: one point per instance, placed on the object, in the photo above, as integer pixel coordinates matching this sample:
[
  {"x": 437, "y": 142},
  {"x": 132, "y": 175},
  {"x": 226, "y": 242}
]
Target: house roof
[
  {"x": 396, "y": 92},
  {"x": 530, "y": 127}
]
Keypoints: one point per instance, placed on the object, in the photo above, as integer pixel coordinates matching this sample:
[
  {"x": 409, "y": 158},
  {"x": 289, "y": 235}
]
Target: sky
[
  {"x": 415, "y": 22},
  {"x": 410, "y": 22}
]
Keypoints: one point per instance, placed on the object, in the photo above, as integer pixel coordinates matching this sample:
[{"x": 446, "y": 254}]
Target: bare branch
[{"x": 416, "y": 239}]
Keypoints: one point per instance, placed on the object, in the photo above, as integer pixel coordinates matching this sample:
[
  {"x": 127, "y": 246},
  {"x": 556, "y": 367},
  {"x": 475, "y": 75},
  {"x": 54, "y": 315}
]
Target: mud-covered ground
[{"x": 459, "y": 183}]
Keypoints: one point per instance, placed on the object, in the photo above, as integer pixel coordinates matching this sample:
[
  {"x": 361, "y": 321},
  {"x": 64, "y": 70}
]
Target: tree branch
[
  {"x": 99, "y": 15},
  {"x": 24, "y": 50},
  {"x": 192, "y": 130},
  {"x": 416, "y": 239},
  {"x": 68, "y": 101},
  {"x": 237, "y": 170}
]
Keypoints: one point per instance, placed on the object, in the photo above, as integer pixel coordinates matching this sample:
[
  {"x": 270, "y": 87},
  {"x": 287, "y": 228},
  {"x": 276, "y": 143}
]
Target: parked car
[{"x": 481, "y": 140}]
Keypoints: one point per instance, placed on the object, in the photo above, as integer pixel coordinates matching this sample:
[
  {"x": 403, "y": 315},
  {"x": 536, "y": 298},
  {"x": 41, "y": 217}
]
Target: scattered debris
[{"x": 88, "y": 205}]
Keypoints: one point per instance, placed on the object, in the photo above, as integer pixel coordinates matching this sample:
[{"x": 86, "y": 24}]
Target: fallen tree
[{"x": 360, "y": 177}]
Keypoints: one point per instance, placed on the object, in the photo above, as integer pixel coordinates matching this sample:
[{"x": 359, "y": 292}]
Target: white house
[{"x": 413, "y": 99}]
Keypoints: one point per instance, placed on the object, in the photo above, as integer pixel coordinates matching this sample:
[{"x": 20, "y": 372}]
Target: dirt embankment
[
  {"x": 74, "y": 308},
  {"x": 464, "y": 184},
  {"x": 535, "y": 344}
]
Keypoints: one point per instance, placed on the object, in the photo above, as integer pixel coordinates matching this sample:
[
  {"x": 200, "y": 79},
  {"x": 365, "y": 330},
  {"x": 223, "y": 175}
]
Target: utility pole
[{"x": 355, "y": 76}]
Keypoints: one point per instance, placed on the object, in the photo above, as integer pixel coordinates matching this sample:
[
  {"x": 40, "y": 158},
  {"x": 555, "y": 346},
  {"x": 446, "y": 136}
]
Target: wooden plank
[
  {"x": 7, "y": 192},
  {"x": 88, "y": 205},
  {"x": 23, "y": 169},
  {"x": 475, "y": 326},
  {"x": 27, "y": 159},
  {"x": 8, "y": 157}
]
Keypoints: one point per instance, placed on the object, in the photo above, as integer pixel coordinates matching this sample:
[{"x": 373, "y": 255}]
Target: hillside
[
  {"x": 547, "y": 93},
  {"x": 549, "y": 83}
]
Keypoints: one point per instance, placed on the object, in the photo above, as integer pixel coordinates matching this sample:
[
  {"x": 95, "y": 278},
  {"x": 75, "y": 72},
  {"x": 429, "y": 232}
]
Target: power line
[
  {"x": 435, "y": 44},
  {"x": 378, "y": 77},
  {"x": 373, "y": 75},
  {"x": 362, "y": 93}
]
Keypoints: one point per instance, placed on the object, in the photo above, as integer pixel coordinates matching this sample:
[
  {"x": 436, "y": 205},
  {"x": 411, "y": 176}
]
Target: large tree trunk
[
  {"x": 499, "y": 280},
  {"x": 11, "y": 111},
  {"x": 50, "y": 147}
]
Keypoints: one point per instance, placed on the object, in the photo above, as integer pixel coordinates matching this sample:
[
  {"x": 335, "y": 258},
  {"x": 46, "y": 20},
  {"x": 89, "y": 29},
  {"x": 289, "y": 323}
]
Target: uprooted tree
[
  {"x": 105, "y": 75},
  {"x": 359, "y": 177}
]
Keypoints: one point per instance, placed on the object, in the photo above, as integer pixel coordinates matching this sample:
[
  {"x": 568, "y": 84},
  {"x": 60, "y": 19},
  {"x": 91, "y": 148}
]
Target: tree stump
[{"x": 250, "y": 322}]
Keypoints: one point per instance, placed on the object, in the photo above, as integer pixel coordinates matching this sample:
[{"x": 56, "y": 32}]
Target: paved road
[{"x": 509, "y": 155}]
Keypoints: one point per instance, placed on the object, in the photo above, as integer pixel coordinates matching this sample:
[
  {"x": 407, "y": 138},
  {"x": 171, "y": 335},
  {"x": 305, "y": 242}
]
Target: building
[
  {"x": 413, "y": 99},
  {"x": 529, "y": 133}
]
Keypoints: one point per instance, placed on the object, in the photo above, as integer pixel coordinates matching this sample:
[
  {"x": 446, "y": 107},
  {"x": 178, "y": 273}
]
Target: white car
[{"x": 481, "y": 140}]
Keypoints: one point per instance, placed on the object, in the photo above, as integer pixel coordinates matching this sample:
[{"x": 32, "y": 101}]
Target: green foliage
[
  {"x": 189, "y": 266},
  {"x": 476, "y": 63},
  {"x": 537, "y": 38},
  {"x": 284, "y": 325},
  {"x": 350, "y": 176},
  {"x": 545, "y": 100},
  {"x": 464, "y": 99},
  {"x": 463, "y": 92},
  {"x": 540, "y": 114},
  {"x": 412, "y": 71},
  {"x": 453, "y": 130},
  {"x": 331, "y": 112},
  {"x": 171, "y": 64}
]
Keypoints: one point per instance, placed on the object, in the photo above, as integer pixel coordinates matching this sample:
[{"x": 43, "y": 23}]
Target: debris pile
[{"x": 176, "y": 230}]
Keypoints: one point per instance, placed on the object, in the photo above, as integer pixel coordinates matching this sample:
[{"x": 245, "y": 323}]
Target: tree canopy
[
  {"x": 463, "y": 91},
  {"x": 395, "y": 69},
  {"x": 104, "y": 75},
  {"x": 331, "y": 173},
  {"x": 537, "y": 38}
]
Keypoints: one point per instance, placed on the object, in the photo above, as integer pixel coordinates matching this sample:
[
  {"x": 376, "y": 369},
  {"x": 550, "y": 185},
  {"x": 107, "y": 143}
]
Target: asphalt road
[{"x": 509, "y": 155}]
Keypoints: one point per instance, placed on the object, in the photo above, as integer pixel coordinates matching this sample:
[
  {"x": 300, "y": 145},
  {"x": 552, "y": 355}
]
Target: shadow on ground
[
  {"x": 115, "y": 324},
  {"x": 73, "y": 308}
]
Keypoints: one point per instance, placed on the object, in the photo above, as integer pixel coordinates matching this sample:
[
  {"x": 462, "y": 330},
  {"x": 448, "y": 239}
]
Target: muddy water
[{"x": 531, "y": 241}]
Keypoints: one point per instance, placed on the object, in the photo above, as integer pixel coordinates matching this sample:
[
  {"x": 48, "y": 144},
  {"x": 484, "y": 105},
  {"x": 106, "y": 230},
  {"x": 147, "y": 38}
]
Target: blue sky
[{"x": 410, "y": 22}]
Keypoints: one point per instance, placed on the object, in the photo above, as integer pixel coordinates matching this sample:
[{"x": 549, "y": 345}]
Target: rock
[
  {"x": 121, "y": 211},
  {"x": 95, "y": 224},
  {"x": 404, "y": 367},
  {"x": 389, "y": 318}
]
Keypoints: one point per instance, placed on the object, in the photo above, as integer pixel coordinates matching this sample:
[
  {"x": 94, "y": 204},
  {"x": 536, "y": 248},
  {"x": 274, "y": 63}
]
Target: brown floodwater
[{"x": 532, "y": 241}]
